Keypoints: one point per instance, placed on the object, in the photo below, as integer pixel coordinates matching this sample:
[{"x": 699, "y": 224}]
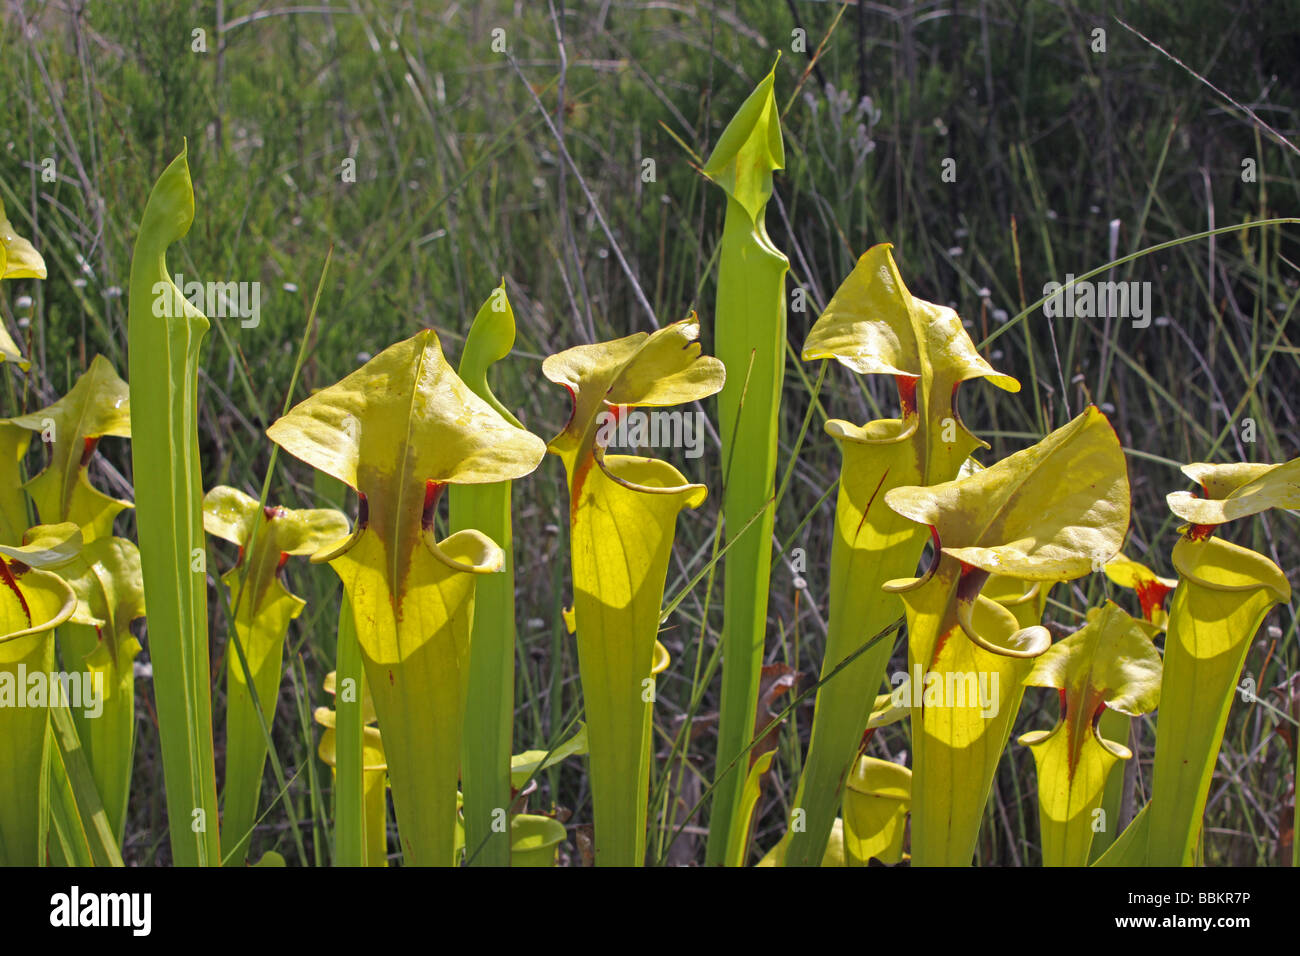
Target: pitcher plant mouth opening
[{"x": 1025, "y": 643}]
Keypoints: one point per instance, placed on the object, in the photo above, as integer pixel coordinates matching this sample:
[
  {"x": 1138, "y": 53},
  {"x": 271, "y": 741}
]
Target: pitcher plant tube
[
  {"x": 14, "y": 519},
  {"x": 165, "y": 336},
  {"x": 485, "y": 768},
  {"x": 106, "y": 577},
  {"x": 750, "y": 337}
]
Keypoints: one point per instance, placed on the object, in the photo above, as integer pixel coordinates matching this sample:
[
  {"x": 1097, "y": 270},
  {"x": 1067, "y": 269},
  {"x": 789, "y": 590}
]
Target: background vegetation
[{"x": 1066, "y": 158}]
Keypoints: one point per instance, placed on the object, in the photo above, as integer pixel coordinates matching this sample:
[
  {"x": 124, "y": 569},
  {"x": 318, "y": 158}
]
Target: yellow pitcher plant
[
  {"x": 1051, "y": 512},
  {"x": 398, "y": 431},
  {"x": 97, "y": 406},
  {"x": 33, "y": 602},
  {"x": 1224, "y": 591},
  {"x": 622, "y": 515},
  {"x": 1107, "y": 665},
  {"x": 262, "y": 607},
  {"x": 107, "y": 577}
]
